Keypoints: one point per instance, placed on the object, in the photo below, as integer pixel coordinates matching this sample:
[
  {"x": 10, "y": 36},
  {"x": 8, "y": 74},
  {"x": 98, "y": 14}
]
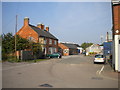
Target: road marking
[
  {"x": 97, "y": 71},
  {"x": 72, "y": 64},
  {"x": 101, "y": 70}
]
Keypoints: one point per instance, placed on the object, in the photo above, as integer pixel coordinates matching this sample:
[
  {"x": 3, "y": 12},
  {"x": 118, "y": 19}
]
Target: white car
[{"x": 99, "y": 58}]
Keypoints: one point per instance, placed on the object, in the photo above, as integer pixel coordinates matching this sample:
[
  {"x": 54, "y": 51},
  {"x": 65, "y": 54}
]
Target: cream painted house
[{"x": 94, "y": 48}]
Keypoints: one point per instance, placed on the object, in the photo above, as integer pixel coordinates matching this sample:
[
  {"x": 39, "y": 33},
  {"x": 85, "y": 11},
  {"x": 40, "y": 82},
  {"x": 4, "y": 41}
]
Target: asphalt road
[{"x": 69, "y": 72}]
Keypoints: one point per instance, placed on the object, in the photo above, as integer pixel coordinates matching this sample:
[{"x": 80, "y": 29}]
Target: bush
[
  {"x": 11, "y": 59},
  {"x": 4, "y": 57}
]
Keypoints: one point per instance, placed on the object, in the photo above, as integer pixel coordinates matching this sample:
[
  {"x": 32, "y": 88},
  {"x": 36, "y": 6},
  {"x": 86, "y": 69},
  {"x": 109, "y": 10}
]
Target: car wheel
[{"x": 58, "y": 56}]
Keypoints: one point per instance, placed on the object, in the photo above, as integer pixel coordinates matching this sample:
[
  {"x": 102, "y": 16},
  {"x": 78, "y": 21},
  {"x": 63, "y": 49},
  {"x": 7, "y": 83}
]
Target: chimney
[
  {"x": 47, "y": 28},
  {"x": 26, "y": 21},
  {"x": 41, "y": 26},
  {"x": 107, "y": 37}
]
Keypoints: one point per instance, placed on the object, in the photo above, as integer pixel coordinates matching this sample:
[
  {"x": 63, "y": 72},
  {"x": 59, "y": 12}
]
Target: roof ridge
[
  {"x": 34, "y": 26},
  {"x": 42, "y": 32}
]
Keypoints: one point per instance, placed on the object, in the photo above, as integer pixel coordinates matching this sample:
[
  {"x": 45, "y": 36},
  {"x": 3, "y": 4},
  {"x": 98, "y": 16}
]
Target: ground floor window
[{"x": 52, "y": 50}]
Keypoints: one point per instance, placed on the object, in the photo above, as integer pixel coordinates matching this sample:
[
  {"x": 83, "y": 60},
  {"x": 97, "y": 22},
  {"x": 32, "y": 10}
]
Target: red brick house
[
  {"x": 68, "y": 49},
  {"x": 39, "y": 34}
]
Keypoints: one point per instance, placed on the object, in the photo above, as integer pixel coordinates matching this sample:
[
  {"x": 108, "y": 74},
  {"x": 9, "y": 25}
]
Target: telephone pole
[{"x": 15, "y": 34}]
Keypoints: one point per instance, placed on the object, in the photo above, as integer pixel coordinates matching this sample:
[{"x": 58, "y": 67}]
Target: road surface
[{"x": 75, "y": 71}]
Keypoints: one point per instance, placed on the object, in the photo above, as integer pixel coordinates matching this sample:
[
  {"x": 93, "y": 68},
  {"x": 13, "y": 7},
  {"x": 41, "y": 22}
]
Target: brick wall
[
  {"x": 51, "y": 45},
  {"x": 64, "y": 50},
  {"x": 26, "y": 32},
  {"x": 116, "y": 19}
]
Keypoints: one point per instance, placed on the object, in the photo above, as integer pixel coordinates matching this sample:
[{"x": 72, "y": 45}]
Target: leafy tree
[
  {"x": 37, "y": 50},
  {"x": 22, "y": 43},
  {"x": 7, "y": 43},
  {"x": 85, "y": 45}
]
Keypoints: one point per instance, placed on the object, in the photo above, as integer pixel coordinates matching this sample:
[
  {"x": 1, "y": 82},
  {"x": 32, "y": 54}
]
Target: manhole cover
[
  {"x": 19, "y": 73},
  {"x": 46, "y": 85},
  {"x": 97, "y": 78}
]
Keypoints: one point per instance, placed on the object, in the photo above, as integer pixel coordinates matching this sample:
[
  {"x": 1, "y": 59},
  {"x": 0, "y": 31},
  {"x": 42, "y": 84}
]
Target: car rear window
[{"x": 98, "y": 56}]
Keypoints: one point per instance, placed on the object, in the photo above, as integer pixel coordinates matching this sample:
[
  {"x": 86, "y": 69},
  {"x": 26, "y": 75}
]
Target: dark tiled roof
[
  {"x": 42, "y": 33},
  {"x": 71, "y": 46},
  {"x": 77, "y": 45}
]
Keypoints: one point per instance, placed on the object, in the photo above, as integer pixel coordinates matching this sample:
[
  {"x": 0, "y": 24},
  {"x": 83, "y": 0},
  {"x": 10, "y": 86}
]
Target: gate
[{"x": 26, "y": 55}]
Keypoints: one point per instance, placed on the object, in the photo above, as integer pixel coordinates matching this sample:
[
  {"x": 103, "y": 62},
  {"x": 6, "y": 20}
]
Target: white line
[
  {"x": 101, "y": 70},
  {"x": 97, "y": 71}
]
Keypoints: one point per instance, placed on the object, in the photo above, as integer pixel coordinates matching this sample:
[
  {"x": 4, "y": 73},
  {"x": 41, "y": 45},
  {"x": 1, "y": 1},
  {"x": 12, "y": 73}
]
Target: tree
[
  {"x": 22, "y": 43},
  {"x": 37, "y": 50},
  {"x": 7, "y": 43},
  {"x": 85, "y": 45}
]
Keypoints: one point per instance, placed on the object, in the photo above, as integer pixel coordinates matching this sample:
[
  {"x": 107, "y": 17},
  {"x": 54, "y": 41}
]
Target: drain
[
  {"x": 46, "y": 85},
  {"x": 19, "y": 73},
  {"x": 97, "y": 78}
]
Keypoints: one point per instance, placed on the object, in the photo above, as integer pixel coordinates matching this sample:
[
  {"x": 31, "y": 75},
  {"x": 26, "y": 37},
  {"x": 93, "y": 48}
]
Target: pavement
[{"x": 109, "y": 72}]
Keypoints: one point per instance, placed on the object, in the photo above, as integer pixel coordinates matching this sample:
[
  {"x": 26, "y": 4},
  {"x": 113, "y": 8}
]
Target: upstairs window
[
  {"x": 31, "y": 39},
  {"x": 45, "y": 41},
  {"x": 55, "y": 42},
  {"x": 50, "y": 41}
]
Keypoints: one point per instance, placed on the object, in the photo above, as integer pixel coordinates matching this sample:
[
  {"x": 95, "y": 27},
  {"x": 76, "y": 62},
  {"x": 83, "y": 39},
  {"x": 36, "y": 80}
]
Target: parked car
[
  {"x": 54, "y": 55},
  {"x": 99, "y": 58}
]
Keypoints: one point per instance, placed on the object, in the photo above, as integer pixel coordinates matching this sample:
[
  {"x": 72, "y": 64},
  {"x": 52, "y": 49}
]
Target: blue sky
[{"x": 76, "y": 22}]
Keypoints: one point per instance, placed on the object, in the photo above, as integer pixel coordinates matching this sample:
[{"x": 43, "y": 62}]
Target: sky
[{"x": 75, "y": 22}]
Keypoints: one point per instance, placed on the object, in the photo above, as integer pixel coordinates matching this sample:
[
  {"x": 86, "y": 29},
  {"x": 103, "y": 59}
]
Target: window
[
  {"x": 50, "y": 50},
  {"x": 45, "y": 41},
  {"x": 50, "y": 41},
  {"x": 41, "y": 40},
  {"x": 55, "y": 42},
  {"x": 55, "y": 50},
  {"x": 31, "y": 39},
  {"x": 98, "y": 56}
]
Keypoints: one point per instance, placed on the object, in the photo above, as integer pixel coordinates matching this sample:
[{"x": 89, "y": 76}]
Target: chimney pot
[
  {"x": 47, "y": 28},
  {"x": 41, "y": 26}
]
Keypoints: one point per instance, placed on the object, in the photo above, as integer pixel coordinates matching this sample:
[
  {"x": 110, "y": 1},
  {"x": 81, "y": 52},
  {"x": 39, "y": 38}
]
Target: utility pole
[{"x": 15, "y": 34}]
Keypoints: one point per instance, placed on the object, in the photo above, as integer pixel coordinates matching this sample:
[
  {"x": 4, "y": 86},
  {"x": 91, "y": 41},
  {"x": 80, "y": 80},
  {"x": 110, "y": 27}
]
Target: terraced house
[{"x": 39, "y": 34}]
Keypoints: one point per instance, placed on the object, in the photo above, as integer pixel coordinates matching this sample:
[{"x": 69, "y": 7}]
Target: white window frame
[
  {"x": 55, "y": 42},
  {"x": 50, "y": 41}
]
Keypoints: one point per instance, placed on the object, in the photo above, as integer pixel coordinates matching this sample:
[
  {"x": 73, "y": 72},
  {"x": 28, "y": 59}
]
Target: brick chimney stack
[
  {"x": 41, "y": 26},
  {"x": 47, "y": 28},
  {"x": 26, "y": 21},
  {"x": 107, "y": 37}
]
